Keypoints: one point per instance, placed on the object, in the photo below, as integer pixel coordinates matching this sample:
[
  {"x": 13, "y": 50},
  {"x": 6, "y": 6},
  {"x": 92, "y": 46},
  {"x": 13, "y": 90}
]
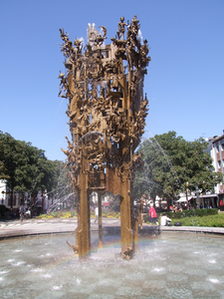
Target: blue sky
[{"x": 185, "y": 81}]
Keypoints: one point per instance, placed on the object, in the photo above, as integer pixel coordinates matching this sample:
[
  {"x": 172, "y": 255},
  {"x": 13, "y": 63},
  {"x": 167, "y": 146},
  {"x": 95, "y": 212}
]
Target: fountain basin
[{"x": 168, "y": 265}]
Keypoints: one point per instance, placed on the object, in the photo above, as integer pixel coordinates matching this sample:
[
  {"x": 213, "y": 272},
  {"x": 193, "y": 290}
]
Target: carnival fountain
[{"x": 107, "y": 110}]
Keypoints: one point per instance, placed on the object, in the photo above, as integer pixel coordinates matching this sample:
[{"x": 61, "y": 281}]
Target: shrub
[
  {"x": 3, "y": 210},
  {"x": 59, "y": 214},
  {"x": 210, "y": 221},
  {"x": 191, "y": 213},
  {"x": 44, "y": 216},
  {"x": 111, "y": 214}
]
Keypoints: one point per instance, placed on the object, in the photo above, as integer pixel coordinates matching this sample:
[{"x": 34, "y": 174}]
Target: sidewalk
[
  {"x": 34, "y": 226},
  {"x": 198, "y": 229}
]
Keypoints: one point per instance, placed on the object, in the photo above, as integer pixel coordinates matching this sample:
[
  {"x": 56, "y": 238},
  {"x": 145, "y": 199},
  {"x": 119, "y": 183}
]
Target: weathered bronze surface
[{"x": 107, "y": 109}]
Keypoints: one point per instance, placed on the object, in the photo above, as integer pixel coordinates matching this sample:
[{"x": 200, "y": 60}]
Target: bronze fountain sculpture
[{"x": 107, "y": 109}]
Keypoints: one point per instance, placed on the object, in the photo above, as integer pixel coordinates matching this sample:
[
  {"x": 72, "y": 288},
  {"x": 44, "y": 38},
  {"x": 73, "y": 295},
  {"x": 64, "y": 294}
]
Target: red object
[{"x": 152, "y": 212}]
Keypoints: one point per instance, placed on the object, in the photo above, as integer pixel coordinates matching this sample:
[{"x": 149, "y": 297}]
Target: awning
[
  {"x": 206, "y": 196},
  {"x": 183, "y": 199}
]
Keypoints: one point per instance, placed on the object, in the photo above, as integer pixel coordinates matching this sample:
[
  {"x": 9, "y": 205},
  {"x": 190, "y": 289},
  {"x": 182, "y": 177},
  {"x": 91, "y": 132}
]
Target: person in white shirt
[{"x": 164, "y": 220}]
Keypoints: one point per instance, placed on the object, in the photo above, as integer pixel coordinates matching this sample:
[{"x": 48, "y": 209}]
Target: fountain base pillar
[
  {"x": 125, "y": 214},
  {"x": 83, "y": 231}
]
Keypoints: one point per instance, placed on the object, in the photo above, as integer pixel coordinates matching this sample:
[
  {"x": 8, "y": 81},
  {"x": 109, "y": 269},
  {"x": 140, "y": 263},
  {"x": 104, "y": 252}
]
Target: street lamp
[
  {"x": 197, "y": 197},
  {"x": 187, "y": 184}
]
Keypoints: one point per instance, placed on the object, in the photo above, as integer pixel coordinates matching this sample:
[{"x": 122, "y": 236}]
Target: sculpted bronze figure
[{"x": 106, "y": 109}]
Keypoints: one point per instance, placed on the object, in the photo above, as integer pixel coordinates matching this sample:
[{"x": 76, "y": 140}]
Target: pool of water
[{"x": 170, "y": 265}]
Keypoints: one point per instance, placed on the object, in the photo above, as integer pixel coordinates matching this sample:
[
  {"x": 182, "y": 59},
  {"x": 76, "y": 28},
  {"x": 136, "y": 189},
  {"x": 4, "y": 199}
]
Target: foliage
[
  {"x": 111, "y": 214},
  {"x": 172, "y": 165},
  {"x": 59, "y": 214},
  {"x": 70, "y": 214},
  {"x": 3, "y": 210},
  {"x": 25, "y": 167},
  {"x": 198, "y": 217},
  {"x": 191, "y": 213},
  {"x": 207, "y": 221}
]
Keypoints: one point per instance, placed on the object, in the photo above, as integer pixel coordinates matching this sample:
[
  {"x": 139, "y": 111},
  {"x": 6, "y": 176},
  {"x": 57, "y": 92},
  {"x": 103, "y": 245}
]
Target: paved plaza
[
  {"x": 37, "y": 226},
  {"x": 34, "y": 226}
]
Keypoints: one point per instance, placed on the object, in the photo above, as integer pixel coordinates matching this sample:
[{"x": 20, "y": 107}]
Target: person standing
[
  {"x": 152, "y": 214},
  {"x": 96, "y": 210},
  {"x": 22, "y": 212},
  {"x": 140, "y": 206}
]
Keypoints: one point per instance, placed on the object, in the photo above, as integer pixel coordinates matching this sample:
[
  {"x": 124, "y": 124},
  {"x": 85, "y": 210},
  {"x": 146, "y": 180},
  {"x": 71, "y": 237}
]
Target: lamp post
[
  {"x": 197, "y": 197},
  {"x": 2, "y": 201},
  {"x": 203, "y": 192},
  {"x": 187, "y": 184}
]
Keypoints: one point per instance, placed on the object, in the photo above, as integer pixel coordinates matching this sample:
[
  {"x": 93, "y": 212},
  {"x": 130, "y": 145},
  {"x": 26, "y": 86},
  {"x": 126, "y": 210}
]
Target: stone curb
[{"x": 31, "y": 227}]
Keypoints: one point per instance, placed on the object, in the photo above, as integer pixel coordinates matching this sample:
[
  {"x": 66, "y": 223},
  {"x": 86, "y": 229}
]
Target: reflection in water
[{"x": 171, "y": 265}]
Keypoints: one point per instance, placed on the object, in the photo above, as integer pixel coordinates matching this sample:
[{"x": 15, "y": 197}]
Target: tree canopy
[
  {"x": 172, "y": 164},
  {"x": 25, "y": 167}
]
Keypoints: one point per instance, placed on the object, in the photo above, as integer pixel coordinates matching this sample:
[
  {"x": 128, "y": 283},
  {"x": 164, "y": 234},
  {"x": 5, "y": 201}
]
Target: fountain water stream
[{"x": 170, "y": 265}]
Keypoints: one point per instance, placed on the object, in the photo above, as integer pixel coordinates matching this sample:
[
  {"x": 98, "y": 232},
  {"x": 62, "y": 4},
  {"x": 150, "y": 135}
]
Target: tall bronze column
[
  {"x": 106, "y": 108},
  {"x": 83, "y": 230},
  {"x": 125, "y": 214}
]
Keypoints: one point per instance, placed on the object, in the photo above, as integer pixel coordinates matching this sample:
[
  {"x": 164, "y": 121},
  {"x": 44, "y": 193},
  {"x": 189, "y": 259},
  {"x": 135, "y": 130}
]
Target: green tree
[
  {"x": 172, "y": 164},
  {"x": 24, "y": 166},
  {"x": 8, "y": 158}
]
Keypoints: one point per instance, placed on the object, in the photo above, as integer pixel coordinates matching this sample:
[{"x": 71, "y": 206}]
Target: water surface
[{"x": 170, "y": 265}]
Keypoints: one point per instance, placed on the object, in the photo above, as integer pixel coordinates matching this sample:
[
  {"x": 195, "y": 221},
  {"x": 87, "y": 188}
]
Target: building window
[{"x": 216, "y": 148}]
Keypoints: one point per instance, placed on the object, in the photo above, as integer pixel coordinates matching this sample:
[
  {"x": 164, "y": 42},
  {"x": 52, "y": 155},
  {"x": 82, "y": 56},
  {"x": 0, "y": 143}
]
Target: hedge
[
  {"x": 208, "y": 221},
  {"x": 191, "y": 213}
]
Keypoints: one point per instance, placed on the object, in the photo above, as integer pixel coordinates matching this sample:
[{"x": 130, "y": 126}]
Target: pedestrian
[
  {"x": 153, "y": 215},
  {"x": 28, "y": 213},
  {"x": 141, "y": 203},
  {"x": 21, "y": 212},
  {"x": 96, "y": 210}
]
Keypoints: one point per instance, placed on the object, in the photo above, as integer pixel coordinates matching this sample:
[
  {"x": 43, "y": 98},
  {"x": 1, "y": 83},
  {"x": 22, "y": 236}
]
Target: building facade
[
  {"x": 13, "y": 201},
  {"x": 216, "y": 148}
]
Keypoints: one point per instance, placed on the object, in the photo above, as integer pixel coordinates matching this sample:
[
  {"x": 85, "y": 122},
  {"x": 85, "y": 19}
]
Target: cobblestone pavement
[{"x": 38, "y": 226}]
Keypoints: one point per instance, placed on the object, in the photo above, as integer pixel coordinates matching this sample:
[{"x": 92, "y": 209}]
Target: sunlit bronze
[{"x": 107, "y": 109}]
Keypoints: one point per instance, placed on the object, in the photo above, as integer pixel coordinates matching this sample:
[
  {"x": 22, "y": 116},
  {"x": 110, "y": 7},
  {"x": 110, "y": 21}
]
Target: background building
[{"x": 216, "y": 148}]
